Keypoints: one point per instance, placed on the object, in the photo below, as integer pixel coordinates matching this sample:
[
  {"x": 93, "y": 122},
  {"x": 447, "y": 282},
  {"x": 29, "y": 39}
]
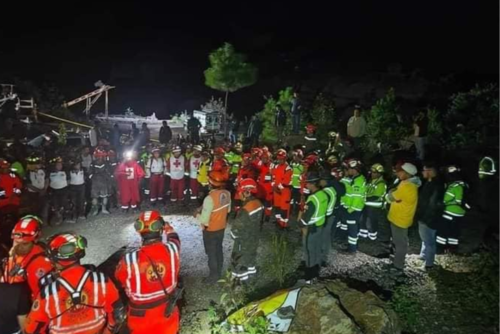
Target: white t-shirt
[
  {"x": 37, "y": 179},
  {"x": 76, "y": 178},
  {"x": 58, "y": 180}
]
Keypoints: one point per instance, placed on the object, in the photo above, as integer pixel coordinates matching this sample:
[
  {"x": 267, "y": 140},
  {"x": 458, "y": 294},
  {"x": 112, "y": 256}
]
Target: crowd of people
[{"x": 330, "y": 197}]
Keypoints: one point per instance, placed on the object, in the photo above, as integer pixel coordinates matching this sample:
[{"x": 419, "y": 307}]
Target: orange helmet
[
  {"x": 100, "y": 153},
  {"x": 149, "y": 222},
  {"x": 281, "y": 154},
  {"x": 27, "y": 229},
  {"x": 66, "y": 247},
  {"x": 248, "y": 185},
  {"x": 217, "y": 178}
]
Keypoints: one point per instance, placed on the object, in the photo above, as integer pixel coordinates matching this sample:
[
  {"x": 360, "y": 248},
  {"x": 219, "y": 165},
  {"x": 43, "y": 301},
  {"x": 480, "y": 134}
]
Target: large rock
[
  {"x": 368, "y": 311},
  {"x": 319, "y": 312}
]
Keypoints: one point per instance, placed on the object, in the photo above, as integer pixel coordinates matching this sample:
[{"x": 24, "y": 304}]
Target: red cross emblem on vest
[
  {"x": 177, "y": 163},
  {"x": 196, "y": 163}
]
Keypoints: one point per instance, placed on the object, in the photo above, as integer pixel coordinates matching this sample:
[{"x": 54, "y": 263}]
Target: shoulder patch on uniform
[
  {"x": 40, "y": 272},
  {"x": 36, "y": 305}
]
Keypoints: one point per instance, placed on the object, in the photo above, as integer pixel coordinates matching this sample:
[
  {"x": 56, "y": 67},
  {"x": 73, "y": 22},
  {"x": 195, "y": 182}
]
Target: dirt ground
[{"x": 367, "y": 270}]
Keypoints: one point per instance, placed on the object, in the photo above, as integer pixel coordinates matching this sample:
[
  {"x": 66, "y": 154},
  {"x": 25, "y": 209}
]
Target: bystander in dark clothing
[
  {"x": 144, "y": 135},
  {"x": 429, "y": 210},
  {"x": 254, "y": 131},
  {"x": 296, "y": 106},
  {"x": 115, "y": 137},
  {"x": 194, "y": 127},
  {"x": 15, "y": 304},
  {"x": 165, "y": 133},
  {"x": 420, "y": 132},
  {"x": 280, "y": 121}
]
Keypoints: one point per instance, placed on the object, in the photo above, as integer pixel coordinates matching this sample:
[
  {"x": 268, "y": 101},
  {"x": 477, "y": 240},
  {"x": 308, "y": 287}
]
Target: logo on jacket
[{"x": 151, "y": 273}]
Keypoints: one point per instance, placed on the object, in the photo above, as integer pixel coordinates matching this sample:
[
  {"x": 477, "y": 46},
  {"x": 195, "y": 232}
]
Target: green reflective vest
[
  {"x": 234, "y": 161},
  {"x": 344, "y": 200},
  {"x": 375, "y": 193},
  {"x": 453, "y": 199},
  {"x": 332, "y": 199},
  {"x": 486, "y": 167},
  {"x": 320, "y": 201},
  {"x": 298, "y": 169},
  {"x": 356, "y": 194}
]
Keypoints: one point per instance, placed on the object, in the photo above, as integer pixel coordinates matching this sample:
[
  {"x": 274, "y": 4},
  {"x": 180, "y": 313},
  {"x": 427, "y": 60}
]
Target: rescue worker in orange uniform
[
  {"x": 245, "y": 231},
  {"x": 149, "y": 276},
  {"x": 77, "y": 299},
  {"x": 256, "y": 157},
  {"x": 27, "y": 261},
  {"x": 281, "y": 183},
  {"x": 220, "y": 164},
  {"x": 247, "y": 171},
  {"x": 212, "y": 216},
  {"x": 264, "y": 186}
]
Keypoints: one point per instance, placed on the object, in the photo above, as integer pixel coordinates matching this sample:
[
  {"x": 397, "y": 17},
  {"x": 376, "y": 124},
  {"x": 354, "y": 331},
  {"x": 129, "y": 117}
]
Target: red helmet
[
  {"x": 66, "y": 247},
  {"x": 219, "y": 151},
  {"x": 4, "y": 163},
  {"x": 100, "y": 153},
  {"x": 27, "y": 229},
  {"x": 311, "y": 159},
  {"x": 311, "y": 127},
  {"x": 248, "y": 185},
  {"x": 337, "y": 173},
  {"x": 217, "y": 178},
  {"x": 281, "y": 154},
  {"x": 257, "y": 151},
  {"x": 111, "y": 154},
  {"x": 353, "y": 163},
  {"x": 246, "y": 156},
  {"x": 149, "y": 222}
]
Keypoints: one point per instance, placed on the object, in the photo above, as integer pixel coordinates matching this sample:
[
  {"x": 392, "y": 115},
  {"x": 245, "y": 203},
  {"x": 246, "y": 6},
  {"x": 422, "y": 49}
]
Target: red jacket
[
  {"x": 31, "y": 268},
  {"x": 56, "y": 309},
  {"x": 10, "y": 190}
]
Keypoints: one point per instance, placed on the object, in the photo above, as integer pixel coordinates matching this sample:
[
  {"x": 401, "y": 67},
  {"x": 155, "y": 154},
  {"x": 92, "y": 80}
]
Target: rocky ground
[{"x": 438, "y": 311}]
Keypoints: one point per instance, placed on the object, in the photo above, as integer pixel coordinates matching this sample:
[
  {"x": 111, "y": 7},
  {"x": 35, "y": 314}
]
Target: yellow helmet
[{"x": 377, "y": 168}]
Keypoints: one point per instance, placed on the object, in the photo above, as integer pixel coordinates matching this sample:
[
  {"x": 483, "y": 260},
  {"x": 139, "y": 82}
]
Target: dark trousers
[
  {"x": 369, "y": 223},
  {"x": 448, "y": 231},
  {"x": 296, "y": 123},
  {"x": 213, "y": 248},
  {"x": 352, "y": 220},
  {"x": 77, "y": 194},
  {"x": 326, "y": 238}
]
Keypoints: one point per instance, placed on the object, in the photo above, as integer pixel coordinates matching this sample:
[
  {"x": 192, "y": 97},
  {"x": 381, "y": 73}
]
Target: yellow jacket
[
  {"x": 203, "y": 171},
  {"x": 403, "y": 203}
]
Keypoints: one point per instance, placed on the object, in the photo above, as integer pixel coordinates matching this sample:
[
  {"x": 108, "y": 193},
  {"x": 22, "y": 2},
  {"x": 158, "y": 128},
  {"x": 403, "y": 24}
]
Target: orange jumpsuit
[
  {"x": 79, "y": 301},
  {"x": 282, "y": 179},
  {"x": 265, "y": 188},
  {"x": 30, "y": 268},
  {"x": 148, "y": 293}
]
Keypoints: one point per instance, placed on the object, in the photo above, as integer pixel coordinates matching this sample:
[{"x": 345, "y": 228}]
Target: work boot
[{"x": 104, "y": 204}]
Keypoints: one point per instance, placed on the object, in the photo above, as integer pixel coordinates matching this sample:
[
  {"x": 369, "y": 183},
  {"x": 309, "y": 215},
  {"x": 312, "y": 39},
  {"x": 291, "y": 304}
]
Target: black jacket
[{"x": 430, "y": 203}]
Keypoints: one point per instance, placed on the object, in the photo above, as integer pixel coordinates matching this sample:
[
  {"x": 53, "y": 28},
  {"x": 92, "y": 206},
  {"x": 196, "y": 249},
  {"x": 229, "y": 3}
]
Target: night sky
[{"x": 156, "y": 54}]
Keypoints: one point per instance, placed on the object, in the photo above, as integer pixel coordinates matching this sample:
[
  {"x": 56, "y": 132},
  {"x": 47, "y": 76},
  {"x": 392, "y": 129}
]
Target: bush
[
  {"x": 383, "y": 126},
  {"x": 323, "y": 114},
  {"x": 472, "y": 117},
  {"x": 267, "y": 115},
  {"x": 277, "y": 262}
]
